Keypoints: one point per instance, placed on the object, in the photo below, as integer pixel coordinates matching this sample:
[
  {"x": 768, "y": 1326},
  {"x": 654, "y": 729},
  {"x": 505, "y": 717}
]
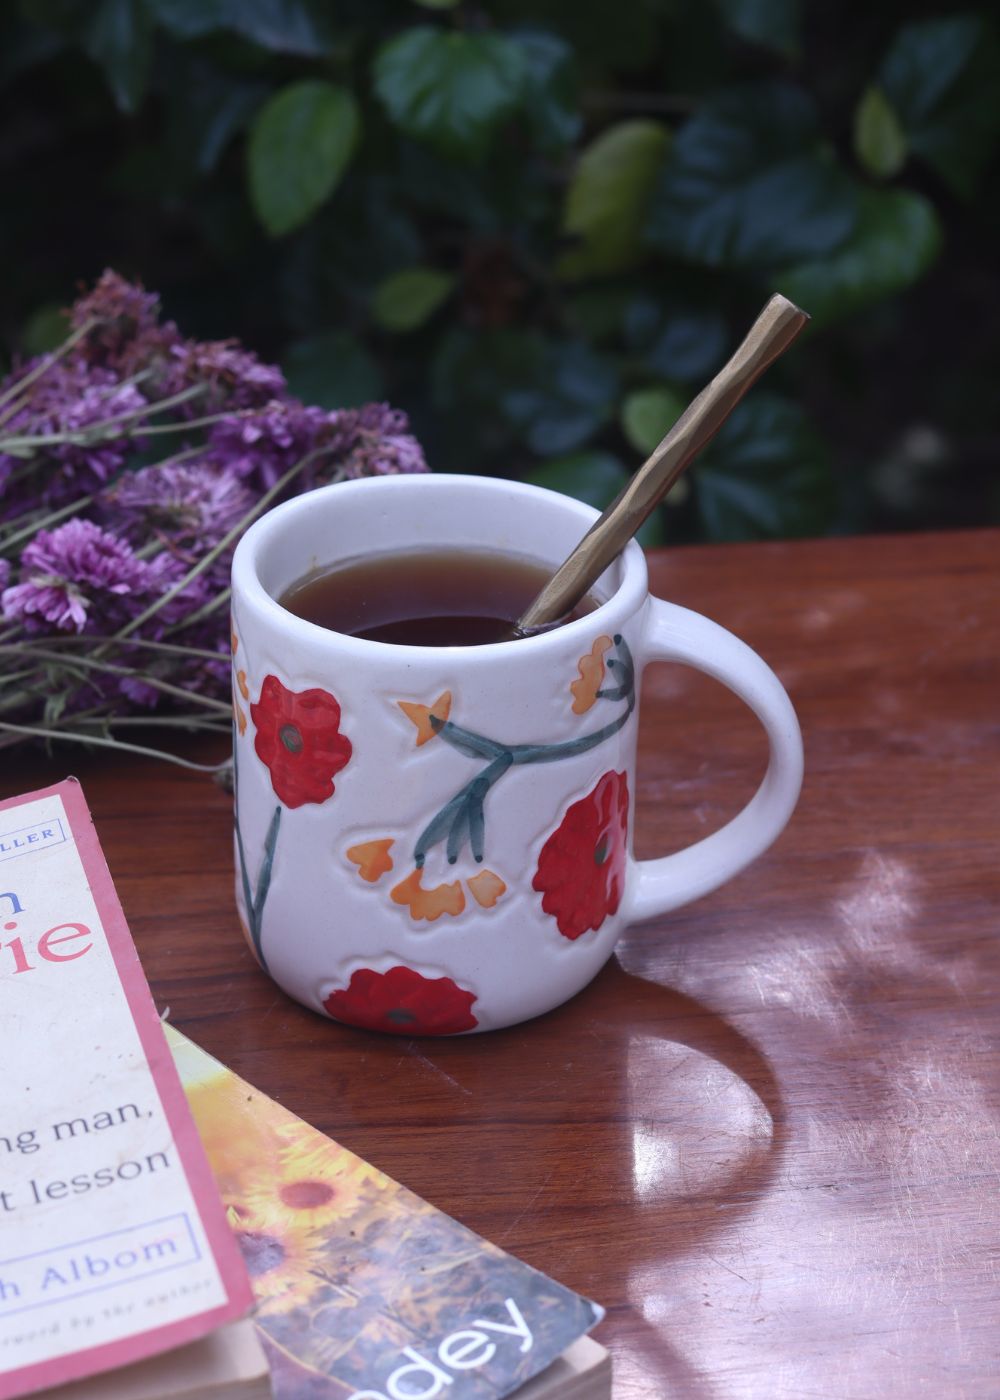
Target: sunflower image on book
[{"x": 361, "y": 1286}]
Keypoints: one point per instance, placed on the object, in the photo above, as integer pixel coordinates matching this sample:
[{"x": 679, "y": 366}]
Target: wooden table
[{"x": 767, "y": 1136}]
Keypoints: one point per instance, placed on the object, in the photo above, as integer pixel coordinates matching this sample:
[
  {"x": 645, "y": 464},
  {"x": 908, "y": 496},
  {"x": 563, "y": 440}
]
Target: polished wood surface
[{"x": 767, "y": 1136}]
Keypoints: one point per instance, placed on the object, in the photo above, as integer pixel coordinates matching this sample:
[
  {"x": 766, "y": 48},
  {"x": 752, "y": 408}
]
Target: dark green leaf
[
  {"x": 437, "y": 4},
  {"x": 675, "y": 340},
  {"x": 623, "y": 40},
  {"x": 284, "y": 26},
  {"x": 896, "y": 240},
  {"x": 450, "y": 88},
  {"x": 924, "y": 62},
  {"x": 596, "y": 310},
  {"x": 595, "y": 477},
  {"x": 208, "y": 107},
  {"x": 45, "y": 329},
  {"x": 608, "y": 198},
  {"x": 229, "y": 115},
  {"x": 747, "y": 183},
  {"x": 511, "y": 386},
  {"x": 300, "y": 144},
  {"x": 471, "y": 377},
  {"x": 551, "y": 88},
  {"x": 573, "y": 396},
  {"x": 432, "y": 182},
  {"x": 774, "y": 24},
  {"x": 332, "y": 370},
  {"x": 191, "y": 19},
  {"x": 119, "y": 38},
  {"x": 647, "y": 414},
  {"x": 879, "y": 138},
  {"x": 651, "y": 533},
  {"x": 361, "y": 240},
  {"x": 406, "y": 299},
  {"x": 942, "y": 76},
  {"x": 765, "y": 476}
]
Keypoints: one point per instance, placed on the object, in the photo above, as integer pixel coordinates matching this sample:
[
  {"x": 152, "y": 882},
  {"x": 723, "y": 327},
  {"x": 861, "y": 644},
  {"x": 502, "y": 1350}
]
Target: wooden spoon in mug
[{"x": 770, "y": 336}]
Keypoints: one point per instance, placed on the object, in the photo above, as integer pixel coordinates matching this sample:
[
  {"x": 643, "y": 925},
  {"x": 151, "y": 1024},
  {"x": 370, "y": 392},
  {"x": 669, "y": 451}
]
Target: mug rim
[{"x": 247, "y": 587}]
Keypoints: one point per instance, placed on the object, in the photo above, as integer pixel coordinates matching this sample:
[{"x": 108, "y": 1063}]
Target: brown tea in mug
[{"x": 426, "y": 599}]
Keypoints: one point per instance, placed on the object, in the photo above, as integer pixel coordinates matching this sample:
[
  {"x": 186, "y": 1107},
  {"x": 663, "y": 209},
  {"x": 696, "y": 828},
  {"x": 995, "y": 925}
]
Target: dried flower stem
[
  {"x": 213, "y": 605},
  {"x": 88, "y": 639},
  {"x": 19, "y": 385},
  {"x": 42, "y": 732},
  {"x": 93, "y": 663},
  {"x": 6, "y": 542},
  {"x": 98, "y": 432},
  {"x": 208, "y": 726}
]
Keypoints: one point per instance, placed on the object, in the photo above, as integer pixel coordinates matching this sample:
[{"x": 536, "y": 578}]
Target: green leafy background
[{"x": 540, "y": 227}]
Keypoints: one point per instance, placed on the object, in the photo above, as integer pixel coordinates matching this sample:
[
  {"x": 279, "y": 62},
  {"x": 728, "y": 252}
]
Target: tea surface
[{"x": 430, "y": 598}]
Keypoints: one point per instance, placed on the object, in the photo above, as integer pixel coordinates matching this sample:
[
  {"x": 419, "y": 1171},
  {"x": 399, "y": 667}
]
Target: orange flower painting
[
  {"x": 428, "y": 719},
  {"x": 429, "y": 903},
  {"x": 486, "y": 887},
  {"x": 239, "y": 679},
  {"x": 591, "y": 668},
  {"x": 372, "y": 858}
]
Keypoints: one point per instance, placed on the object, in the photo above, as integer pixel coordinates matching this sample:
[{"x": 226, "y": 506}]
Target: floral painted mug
[{"x": 437, "y": 840}]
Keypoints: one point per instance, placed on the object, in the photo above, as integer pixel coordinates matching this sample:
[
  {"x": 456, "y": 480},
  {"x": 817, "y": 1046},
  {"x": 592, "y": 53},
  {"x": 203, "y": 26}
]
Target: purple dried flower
[
  {"x": 188, "y": 506},
  {"x": 128, "y": 338},
  {"x": 370, "y": 441},
  {"x": 234, "y": 377},
  {"x": 377, "y": 442},
  {"x": 144, "y": 531},
  {"x": 69, "y": 397},
  {"x": 79, "y": 577},
  {"x": 261, "y": 447},
  {"x": 187, "y": 502},
  {"x": 114, "y": 300}
]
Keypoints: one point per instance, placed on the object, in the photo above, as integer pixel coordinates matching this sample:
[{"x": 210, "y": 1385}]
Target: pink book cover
[{"x": 114, "y": 1244}]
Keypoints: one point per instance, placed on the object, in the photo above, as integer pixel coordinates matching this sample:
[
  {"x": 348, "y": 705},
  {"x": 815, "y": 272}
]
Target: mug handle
[{"x": 672, "y": 633}]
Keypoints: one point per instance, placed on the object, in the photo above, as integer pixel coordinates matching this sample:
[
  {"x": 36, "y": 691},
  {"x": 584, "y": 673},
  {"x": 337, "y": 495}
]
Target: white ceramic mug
[{"x": 437, "y": 840}]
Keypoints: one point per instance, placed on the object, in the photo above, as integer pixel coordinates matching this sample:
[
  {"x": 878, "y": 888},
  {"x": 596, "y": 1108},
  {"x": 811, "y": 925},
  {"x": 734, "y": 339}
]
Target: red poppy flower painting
[
  {"x": 403, "y": 1002},
  {"x": 581, "y": 868},
  {"x": 299, "y": 739}
]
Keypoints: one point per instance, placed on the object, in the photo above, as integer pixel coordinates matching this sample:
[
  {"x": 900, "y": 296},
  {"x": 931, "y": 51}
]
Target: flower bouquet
[{"x": 131, "y": 461}]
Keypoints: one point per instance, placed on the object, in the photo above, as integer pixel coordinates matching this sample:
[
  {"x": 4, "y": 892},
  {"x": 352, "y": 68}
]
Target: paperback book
[
  {"x": 364, "y": 1290},
  {"x": 114, "y": 1243}
]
